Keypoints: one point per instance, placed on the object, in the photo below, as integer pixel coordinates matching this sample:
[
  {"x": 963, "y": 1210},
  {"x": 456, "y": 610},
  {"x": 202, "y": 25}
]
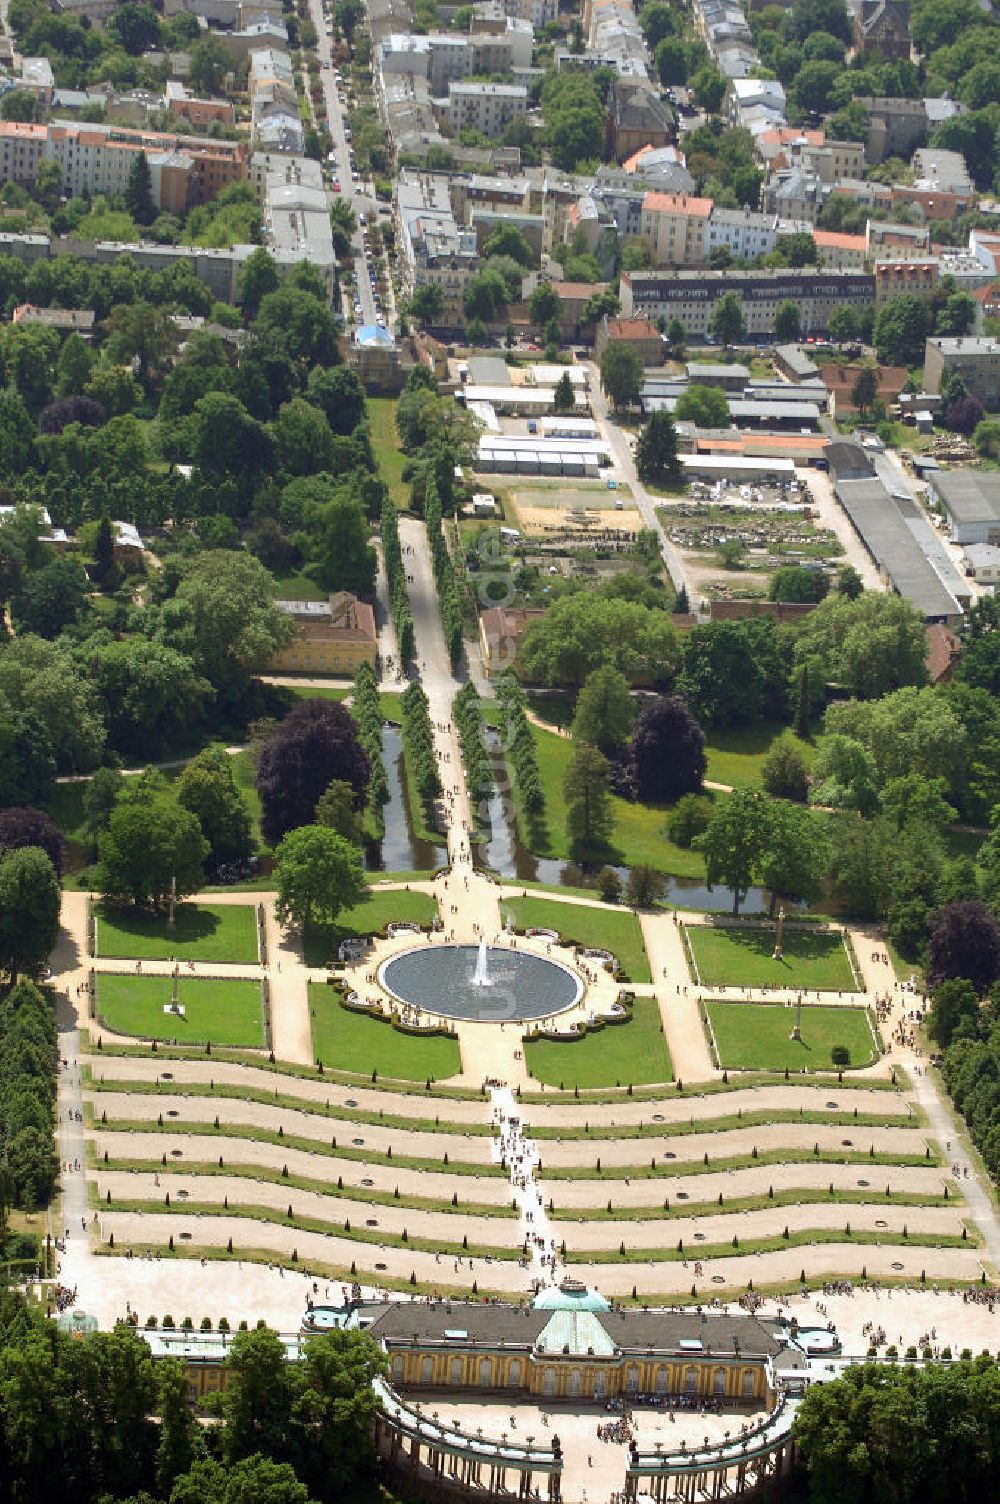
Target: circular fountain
[{"x": 481, "y": 984}]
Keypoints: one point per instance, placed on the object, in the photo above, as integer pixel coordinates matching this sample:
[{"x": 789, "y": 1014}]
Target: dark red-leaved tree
[
  {"x": 66, "y": 410},
  {"x": 964, "y": 942},
  {"x": 316, "y": 743},
  {"x": 668, "y": 751},
  {"x": 24, "y": 826}
]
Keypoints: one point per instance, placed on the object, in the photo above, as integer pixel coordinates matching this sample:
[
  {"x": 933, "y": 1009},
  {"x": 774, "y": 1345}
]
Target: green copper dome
[{"x": 571, "y": 1295}]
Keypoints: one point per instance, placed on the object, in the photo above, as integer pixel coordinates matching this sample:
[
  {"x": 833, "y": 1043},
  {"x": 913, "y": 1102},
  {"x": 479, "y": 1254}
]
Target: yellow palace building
[{"x": 570, "y": 1345}]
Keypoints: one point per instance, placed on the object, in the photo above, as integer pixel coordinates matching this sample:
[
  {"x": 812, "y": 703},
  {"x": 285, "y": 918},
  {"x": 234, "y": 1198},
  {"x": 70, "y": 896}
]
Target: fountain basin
[{"x": 442, "y": 979}]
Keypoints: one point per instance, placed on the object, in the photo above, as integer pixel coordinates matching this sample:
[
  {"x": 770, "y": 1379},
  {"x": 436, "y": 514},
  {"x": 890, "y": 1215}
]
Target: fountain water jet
[{"x": 481, "y": 977}]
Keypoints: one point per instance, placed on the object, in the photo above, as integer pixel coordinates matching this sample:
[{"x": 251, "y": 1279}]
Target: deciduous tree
[
  {"x": 622, "y": 373},
  {"x": 785, "y": 772},
  {"x": 20, "y": 827},
  {"x": 707, "y": 406},
  {"x": 316, "y": 743},
  {"x": 208, "y": 788},
  {"x": 668, "y": 751},
  {"x": 728, "y": 321},
  {"x": 318, "y": 873},
  {"x": 964, "y": 942},
  {"x": 29, "y": 910},
  {"x": 151, "y": 847},
  {"x": 734, "y": 843}
]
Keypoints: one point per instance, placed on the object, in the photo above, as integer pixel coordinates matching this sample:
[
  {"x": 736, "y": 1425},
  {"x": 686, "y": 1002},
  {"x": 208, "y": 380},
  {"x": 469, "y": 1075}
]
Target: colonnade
[{"x": 409, "y": 1445}]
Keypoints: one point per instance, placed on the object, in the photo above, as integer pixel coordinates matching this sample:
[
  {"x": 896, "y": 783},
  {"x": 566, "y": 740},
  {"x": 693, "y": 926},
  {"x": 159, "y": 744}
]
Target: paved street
[
  {"x": 622, "y": 454},
  {"x": 354, "y": 193}
]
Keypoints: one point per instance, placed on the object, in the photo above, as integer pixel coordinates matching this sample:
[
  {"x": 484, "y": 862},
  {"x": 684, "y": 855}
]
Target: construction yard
[{"x": 733, "y": 538}]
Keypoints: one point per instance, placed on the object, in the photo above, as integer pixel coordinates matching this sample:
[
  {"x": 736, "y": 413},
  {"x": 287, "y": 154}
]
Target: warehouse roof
[
  {"x": 970, "y": 496},
  {"x": 883, "y": 529}
]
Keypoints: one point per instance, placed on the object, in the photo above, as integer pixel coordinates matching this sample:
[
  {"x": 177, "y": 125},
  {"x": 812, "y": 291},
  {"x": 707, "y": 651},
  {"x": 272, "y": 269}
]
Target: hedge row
[
  {"x": 418, "y": 744},
  {"x": 367, "y": 711},
  {"x": 519, "y": 745},
  {"x": 449, "y": 594},
  {"x": 28, "y": 1063},
  {"x": 395, "y": 570},
  {"x": 472, "y": 739}
]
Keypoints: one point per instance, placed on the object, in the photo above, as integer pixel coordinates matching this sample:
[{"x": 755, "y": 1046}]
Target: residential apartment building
[
  {"x": 185, "y": 170},
  {"x": 691, "y": 295},
  {"x": 640, "y": 333},
  {"x": 745, "y": 232},
  {"x": 985, "y": 246},
  {"x": 785, "y": 146},
  {"x": 841, "y": 251},
  {"x": 895, "y": 127},
  {"x": 274, "y": 106},
  {"x": 483, "y": 193},
  {"x": 487, "y": 108},
  {"x": 746, "y": 94},
  {"x": 387, "y": 16},
  {"x": 794, "y": 193},
  {"x": 613, "y": 33},
  {"x": 537, "y": 12},
  {"x": 975, "y": 359},
  {"x": 179, "y": 101},
  {"x": 35, "y": 77},
  {"x": 676, "y": 226},
  {"x": 504, "y": 50},
  {"x": 408, "y": 111},
  {"x": 883, "y": 238},
  {"x": 296, "y": 228},
  {"x": 435, "y": 249},
  {"x": 446, "y": 57},
  {"x": 911, "y": 274},
  {"x": 931, "y": 203},
  {"x": 293, "y": 197},
  {"x": 270, "y": 31},
  {"x": 22, "y": 148},
  {"x": 936, "y": 168}
]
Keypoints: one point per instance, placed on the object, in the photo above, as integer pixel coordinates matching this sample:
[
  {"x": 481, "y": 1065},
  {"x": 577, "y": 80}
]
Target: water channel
[{"x": 400, "y": 850}]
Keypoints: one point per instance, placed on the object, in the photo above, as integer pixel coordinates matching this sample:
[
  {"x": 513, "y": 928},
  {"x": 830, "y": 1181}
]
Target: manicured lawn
[
  {"x": 391, "y": 705},
  {"x": 320, "y": 942},
  {"x": 736, "y": 757},
  {"x": 618, "y": 1055},
  {"x": 305, "y": 692},
  {"x": 351, "y": 1042},
  {"x": 556, "y": 710},
  {"x": 202, "y": 932},
  {"x": 385, "y": 443},
  {"x": 245, "y": 773},
  {"x": 903, "y": 968},
  {"x": 298, "y": 587},
  {"x": 217, "y": 1012},
  {"x": 755, "y": 1036},
  {"x": 812, "y": 959},
  {"x": 616, "y": 930},
  {"x": 639, "y": 835}
]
